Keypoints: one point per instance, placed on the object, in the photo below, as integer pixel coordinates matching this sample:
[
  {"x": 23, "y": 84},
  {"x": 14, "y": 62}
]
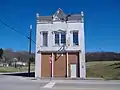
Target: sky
[{"x": 102, "y": 21}]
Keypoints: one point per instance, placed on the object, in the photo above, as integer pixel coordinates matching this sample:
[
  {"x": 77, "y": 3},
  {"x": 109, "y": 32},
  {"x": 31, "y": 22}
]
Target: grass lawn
[
  {"x": 107, "y": 69},
  {"x": 13, "y": 69}
]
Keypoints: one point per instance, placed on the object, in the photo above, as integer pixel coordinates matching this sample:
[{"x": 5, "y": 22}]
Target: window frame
[
  {"x": 64, "y": 39},
  {"x": 75, "y": 43},
  {"x": 60, "y": 38},
  {"x": 55, "y": 39},
  {"x": 45, "y": 44}
]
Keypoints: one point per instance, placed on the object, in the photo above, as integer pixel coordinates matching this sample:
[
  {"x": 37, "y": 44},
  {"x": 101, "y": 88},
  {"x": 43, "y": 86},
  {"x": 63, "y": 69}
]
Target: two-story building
[{"x": 60, "y": 48}]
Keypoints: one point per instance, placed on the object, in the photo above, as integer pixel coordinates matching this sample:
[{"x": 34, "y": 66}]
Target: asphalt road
[
  {"x": 14, "y": 83},
  {"x": 19, "y": 83}
]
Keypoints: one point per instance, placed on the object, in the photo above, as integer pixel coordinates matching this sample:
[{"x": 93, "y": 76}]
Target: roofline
[{"x": 81, "y": 13}]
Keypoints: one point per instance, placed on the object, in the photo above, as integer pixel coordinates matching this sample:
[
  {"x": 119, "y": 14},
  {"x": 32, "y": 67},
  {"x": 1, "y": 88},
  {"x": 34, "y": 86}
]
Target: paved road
[
  {"x": 19, "y": 83},
  {"x": 14, "y": 83}
]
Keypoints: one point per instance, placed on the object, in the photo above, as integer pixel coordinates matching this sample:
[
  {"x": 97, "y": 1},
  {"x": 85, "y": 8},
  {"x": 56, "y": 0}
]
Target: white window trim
[
  {"x": 60, "y": 44},
  {"x": 60, "y": 39},
  {"x": 72, "y": 43},
  {"x": 65, "y": 39},
  {"x": 41, "y": 36},
  {"x": 54, "y": 39}
]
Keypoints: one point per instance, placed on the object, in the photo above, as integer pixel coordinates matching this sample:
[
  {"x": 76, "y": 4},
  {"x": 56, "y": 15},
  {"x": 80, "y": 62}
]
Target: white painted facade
[{"x": 68, "y": 27}]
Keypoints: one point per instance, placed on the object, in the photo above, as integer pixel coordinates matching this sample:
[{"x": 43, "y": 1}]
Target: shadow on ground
[
  {"x": 32, "y": 74},
  {"x": 116, "y": 65}
]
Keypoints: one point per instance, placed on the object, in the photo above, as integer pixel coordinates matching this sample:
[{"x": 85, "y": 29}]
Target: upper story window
[
  {"x": 57, "y": 39},
  {"x": 63, "y": 38},
  {"x": 60, "y": 38},
  {"x": 75, "y": 38},
  {"x": 45, "y": 38}
]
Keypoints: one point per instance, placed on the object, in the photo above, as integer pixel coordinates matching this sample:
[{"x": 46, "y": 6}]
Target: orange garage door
[
  {"x": 59, "y": 65},
  {"x": 45, "y": 65}
]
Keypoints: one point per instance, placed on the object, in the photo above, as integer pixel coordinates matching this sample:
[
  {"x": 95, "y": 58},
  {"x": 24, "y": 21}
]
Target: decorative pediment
[
  {"x": 59, "y": 31},
  {"x": 59, "y": 15}
]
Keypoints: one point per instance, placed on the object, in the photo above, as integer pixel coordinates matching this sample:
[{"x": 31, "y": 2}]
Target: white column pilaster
[
  {"x": 38, "y": 65},
  {"x": 52, "y": 65},
  {"x": 71, "y": 39},
  {"x": 38, "y": 55},
  {"x": 67, "y": 66},
  {"x": 59, "y": 38},
  {"x": 41, "y": 38},
  {"x": 82, "y": 65},
  {"x": 67, "y": 35},
  {"x": 82, "y": 54},
  {"x": 53, "y": 39}
]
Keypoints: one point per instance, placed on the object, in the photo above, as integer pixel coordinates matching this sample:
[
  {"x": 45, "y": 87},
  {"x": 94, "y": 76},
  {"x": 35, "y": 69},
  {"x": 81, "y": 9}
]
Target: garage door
[
  {"x": 45, "y": 65},
  {"x": 60, "y": 65}
]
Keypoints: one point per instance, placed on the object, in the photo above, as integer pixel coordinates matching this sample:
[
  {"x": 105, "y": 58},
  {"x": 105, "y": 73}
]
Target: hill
[
  {"x": 21, "y": 55},
  {"x": 102, "y": 56},
  {"x": 90, "y": 56}
]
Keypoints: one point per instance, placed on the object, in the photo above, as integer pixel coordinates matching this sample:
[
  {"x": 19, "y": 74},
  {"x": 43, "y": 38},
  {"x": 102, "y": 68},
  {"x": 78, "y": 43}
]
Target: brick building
[{"x": 60, "y": 49}]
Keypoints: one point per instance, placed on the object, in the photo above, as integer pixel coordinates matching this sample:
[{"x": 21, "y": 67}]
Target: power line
[{"x": 16, "y": 31}]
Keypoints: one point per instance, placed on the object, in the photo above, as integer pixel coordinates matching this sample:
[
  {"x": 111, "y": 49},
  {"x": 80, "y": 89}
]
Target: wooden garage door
[
  {"x": 59, "y": 65},
  {"x": 45, "y": 65}
]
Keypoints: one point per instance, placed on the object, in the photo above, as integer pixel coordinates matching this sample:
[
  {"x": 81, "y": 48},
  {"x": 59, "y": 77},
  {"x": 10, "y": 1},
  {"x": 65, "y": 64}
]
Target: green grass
[
  {"x": 107, "y": 69},
  {"x": 13, "y": 69}
]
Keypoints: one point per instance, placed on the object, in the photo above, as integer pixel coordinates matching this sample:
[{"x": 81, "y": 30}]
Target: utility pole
[{"x": 29, "y": 50}]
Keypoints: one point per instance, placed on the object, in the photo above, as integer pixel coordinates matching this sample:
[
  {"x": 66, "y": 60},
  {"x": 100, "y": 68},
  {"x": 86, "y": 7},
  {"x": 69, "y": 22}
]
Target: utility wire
[{"x": 16, "y": 31}]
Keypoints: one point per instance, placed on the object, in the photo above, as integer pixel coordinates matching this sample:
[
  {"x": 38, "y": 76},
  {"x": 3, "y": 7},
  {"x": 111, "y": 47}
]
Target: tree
[
  {"x": 32, "y": 60},
  {"x": 1, "y": 53}
]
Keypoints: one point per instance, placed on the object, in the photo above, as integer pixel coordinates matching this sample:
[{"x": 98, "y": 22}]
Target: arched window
[{"x": 60, "y": 37}]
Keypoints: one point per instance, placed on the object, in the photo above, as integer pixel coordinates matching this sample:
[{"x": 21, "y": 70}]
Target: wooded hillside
[
  {"x": 21, "y": 55},
  {"x": 90, "y": 56},
  {"x": 102, "y": 56}
]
